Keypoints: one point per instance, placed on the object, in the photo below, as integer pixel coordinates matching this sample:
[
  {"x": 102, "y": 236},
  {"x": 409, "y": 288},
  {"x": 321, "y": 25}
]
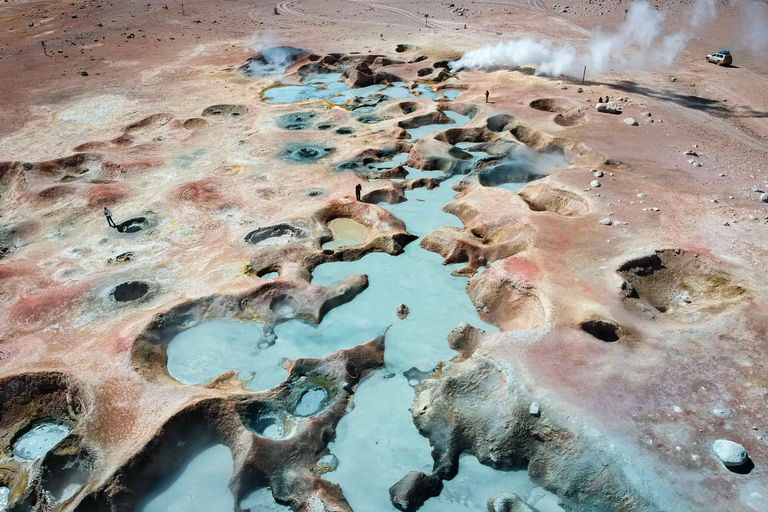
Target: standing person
[
  {"x": 487, "y": 93},
  {"x": 600, "y": 100},
  {"x": 606, "y": 99},
  {"x": 358, "y": 189},
  {"x": 108, "y": 215}
]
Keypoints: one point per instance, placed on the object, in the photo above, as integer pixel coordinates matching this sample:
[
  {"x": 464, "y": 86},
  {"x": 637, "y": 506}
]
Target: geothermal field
[{"x": 384, "y": 255}]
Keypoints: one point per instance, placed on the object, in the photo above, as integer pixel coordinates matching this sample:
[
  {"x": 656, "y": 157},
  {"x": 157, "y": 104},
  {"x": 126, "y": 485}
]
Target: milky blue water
[
  {"x": 5, "y": 495},
  {"x": 200, "y": 486},
  {"x": 451, "y": 93},
  {"x": 428, "y": 129},
  {"x": 39, "y": 440},
  {"x": 376, "y": 442},
  {"x": 327, "y": 87}
]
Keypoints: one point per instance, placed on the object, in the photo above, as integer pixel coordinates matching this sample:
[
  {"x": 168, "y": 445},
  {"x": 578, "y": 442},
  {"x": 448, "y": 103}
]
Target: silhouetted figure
[
  {"x": 600, "y": 100},
  {"x": 108, "y": 215},
  {"x": 606, "y": 99},
  {"x": 487, "y": 93},
  {"x": 358, "y": 189}
]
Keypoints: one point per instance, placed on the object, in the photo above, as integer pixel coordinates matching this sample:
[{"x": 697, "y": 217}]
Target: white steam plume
[
  {"x": 754, "y": 26},
  {"x": 635, "y": 44}
]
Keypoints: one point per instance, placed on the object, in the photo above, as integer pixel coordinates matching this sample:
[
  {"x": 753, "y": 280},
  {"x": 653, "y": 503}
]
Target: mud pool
[
  {"x": 414, "y": 345},
  {"x": 39, "y": 440},
  {"x": 345, "y": 232},
  {"x": 328, "y": 87}
]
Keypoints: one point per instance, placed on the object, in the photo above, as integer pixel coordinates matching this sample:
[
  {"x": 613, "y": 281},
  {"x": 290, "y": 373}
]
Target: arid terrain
[{"x": 537, "y": 303}]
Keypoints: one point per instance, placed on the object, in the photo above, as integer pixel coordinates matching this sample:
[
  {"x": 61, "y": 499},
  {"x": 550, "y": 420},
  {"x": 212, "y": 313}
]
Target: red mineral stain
[
  {"x": 104, "y": 195},
  {"x": 48, "y": 306},
  {"x": 198, "y": 192},
  {"x": 522, "y": 267}
]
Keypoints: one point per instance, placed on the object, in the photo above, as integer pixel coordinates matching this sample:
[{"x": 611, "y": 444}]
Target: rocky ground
[{"x": 629, "y": 286}]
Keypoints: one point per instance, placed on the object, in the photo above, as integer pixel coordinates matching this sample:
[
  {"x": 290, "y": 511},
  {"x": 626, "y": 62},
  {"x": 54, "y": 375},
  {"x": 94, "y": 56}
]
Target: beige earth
[{"x": 629, "y": 286}]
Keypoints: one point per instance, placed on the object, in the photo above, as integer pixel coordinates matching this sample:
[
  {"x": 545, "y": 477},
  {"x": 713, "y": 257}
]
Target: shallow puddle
[
  {"x": 346, "y": 233},
  {"x": 39, "y": 440}
]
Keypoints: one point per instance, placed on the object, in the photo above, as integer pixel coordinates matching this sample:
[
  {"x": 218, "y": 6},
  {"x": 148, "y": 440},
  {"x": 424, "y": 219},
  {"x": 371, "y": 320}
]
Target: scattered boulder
[
  {"x": 731, "y": 454},
  {"x": 594, "y": 184},
  {"x": 563, "y": 87},
  {"x": 764, "y": 198},
  {"x": 630, "y": 121},
  {"x": 508, "y": 502},
  {"x": 425, "y": 71},
  {"x": 402, "y": 311},
  {"x": 535, "y": 410},
  {"x": 606, "y": 222},
  {"x": 608, "y": 108},
  {"x": 414, "y": 489},
  {"x": 599, "y": 174}
]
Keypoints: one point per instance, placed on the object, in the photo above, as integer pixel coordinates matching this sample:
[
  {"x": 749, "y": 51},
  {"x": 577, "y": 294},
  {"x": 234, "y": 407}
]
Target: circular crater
[
  {"x": 312, "y": 401},
  {"x": 315, "y": 192},
  {"x": 686, "y": 286},
  {"x": 130, "y": 291},
  {"x": 268, "y": 421},
  {"x": 284, "y": 306},
  {"x": 278, "y": 234},
  {"x": 296, "y": 121},
  {"x": 225, "y": 111},
  {"x": 604, "y": 330},
  {"x": 134, "y": 225},
  {"x": 304, "y": 153},
  {"x": 39, "y": 439}
]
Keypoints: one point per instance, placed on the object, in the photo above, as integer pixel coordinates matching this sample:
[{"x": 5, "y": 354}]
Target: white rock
[
  {"x": 594, "y": 184},
  {"x": 609, "y": 108},
  {"x": 691, "y": 161},
  {"x": 764, "y": 198},
  {"x": 730, "y": 453},
  {"x": 563, "y": 87},
  {"x": 641, "y": 195},
  {"x": 696, "y": 164},
  {"x": 606, "y": 222},
  {"x": 630, "y": 121},
  {"x": 599, "y": 174},
  {"x": 535, "y": 410}
]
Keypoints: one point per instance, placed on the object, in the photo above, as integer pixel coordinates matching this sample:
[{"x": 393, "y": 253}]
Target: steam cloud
[
  {"x": 636, "y": 44},
  {"x": 754, "y": 27}
]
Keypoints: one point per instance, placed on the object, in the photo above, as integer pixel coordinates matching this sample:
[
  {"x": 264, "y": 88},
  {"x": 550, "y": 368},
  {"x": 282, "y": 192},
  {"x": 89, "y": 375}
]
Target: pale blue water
[
  {"x": 327, "y": 87},
  {"x": 376, "y": 442},
  {"x": 423, "y": 131},
  {"x": 261, "y": 500},
  {"x": 5, "y": 495},
  {"x": 451, "y": 93},
  {"x": 39, "y": 440},
  {"x": 200, "y": 486}
]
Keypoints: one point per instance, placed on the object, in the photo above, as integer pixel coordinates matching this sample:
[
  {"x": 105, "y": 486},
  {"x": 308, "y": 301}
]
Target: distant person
[
  {"x": 358, "y": 189},
  {"x": 600, "y": 100},
  {"x": 606, "y": 99},
  {"x": 108, "y": 215},
  {"x": 487, "y": 93}
]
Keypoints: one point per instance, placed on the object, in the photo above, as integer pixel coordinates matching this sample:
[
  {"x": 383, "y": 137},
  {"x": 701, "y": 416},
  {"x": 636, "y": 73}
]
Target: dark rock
[{"x": 414, "y": 489}]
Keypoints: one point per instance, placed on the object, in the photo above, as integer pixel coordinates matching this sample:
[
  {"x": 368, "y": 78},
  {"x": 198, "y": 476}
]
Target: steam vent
[{"x": 381, "y": 256}]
